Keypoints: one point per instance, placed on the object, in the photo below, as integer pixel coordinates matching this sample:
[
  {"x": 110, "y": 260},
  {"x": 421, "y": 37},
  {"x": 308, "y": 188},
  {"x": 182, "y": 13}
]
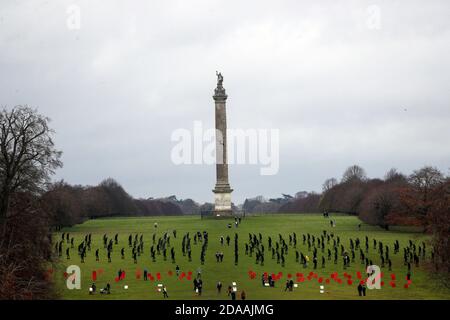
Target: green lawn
[{"x": 347, "y": 227}]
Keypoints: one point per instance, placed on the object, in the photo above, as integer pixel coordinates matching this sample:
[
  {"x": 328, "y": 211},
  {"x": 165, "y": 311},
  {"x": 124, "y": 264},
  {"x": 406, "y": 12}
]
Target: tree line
[
  {"x": 69, "y": 205},
  {"x": 421, "y": 199},
  {"x": 31, "y": 207}
]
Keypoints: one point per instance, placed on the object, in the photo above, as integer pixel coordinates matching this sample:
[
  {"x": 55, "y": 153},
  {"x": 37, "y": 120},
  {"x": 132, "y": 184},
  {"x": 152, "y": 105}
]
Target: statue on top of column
[
  {"x": 219, "y": 92},
  {"x": 219, "y": 79}
]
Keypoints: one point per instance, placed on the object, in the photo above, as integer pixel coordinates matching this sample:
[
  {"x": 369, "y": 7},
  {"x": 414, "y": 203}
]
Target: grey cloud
[{"x": 339, "y": 92}]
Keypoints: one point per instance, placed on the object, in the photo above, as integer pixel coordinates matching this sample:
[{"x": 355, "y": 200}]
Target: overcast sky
[{"x": 345, "y": 82}]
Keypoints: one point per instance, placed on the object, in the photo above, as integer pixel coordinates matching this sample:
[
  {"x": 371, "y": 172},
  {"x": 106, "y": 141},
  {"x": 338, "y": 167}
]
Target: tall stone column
[{"x": 222, "y": 190}]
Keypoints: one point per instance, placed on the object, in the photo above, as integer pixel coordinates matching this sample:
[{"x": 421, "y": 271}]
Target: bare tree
[
  {"x": 353, "y": 173},
  {"x": 27, "y": 153},
  {"x": 425, "y": 179},
  {"x": 328, "y": 184},
  {"x": 394, "y": 175}
]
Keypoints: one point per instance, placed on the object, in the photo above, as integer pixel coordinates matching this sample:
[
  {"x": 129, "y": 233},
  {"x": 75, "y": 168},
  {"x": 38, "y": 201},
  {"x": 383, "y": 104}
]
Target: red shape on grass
[
  {"x": 382, "y": 283},
  {"x": 349, "y": 282},
  {"x": 327, "y": 281},
  {"x": 65, "y": 274},
  {"x": 358, "y": 275},
  {"x": 170, "y": 273},
  {"x": 116, "y": 279},
  {"x": 320, "y": 280},
  {"x": 406, "y": 286},
  {"x": 289, "y": 275},
  {"x": 158, "y": 276},
  {"x": 94, "y": 275},
  {"x": 393, "y": 276}
]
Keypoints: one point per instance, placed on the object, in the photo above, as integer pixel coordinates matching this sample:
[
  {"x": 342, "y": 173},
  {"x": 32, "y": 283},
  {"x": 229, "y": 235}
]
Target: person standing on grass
[
  {"x": 364, "y": 289},
  {"x": 164, "y": 290},
  {"x": 195, "y": 284},
  {"x": 200, "y": 287},
  {"x": 219, "y": 287},
  {"x": 360, "y": 289},
  {"x": 287, "y": 285},
  {"x": 243, "y": 295}
]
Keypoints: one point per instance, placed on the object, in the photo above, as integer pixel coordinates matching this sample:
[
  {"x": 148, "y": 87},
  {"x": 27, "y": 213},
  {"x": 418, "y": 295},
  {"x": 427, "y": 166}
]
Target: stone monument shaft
[{"x": 222, "y": 190}]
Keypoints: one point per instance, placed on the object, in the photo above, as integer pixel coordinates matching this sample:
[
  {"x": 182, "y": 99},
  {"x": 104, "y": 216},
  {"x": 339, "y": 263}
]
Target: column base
[{"x": 222, "y": 202}]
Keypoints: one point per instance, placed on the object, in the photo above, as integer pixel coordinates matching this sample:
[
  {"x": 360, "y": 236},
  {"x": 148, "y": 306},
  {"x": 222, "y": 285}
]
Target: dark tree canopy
[{"x": 27, "y": 153}]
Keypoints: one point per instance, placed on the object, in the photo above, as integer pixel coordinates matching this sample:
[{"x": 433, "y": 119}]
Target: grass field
[{"x": 422, "y": 287}]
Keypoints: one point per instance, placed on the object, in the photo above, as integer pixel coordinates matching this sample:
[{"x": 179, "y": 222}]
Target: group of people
[
  {"x": 198, "y": 285},
  {"x": 320, "y": 249},
  {"x": 105, "y": 290},
  {"x": 219, "y": 256}
]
